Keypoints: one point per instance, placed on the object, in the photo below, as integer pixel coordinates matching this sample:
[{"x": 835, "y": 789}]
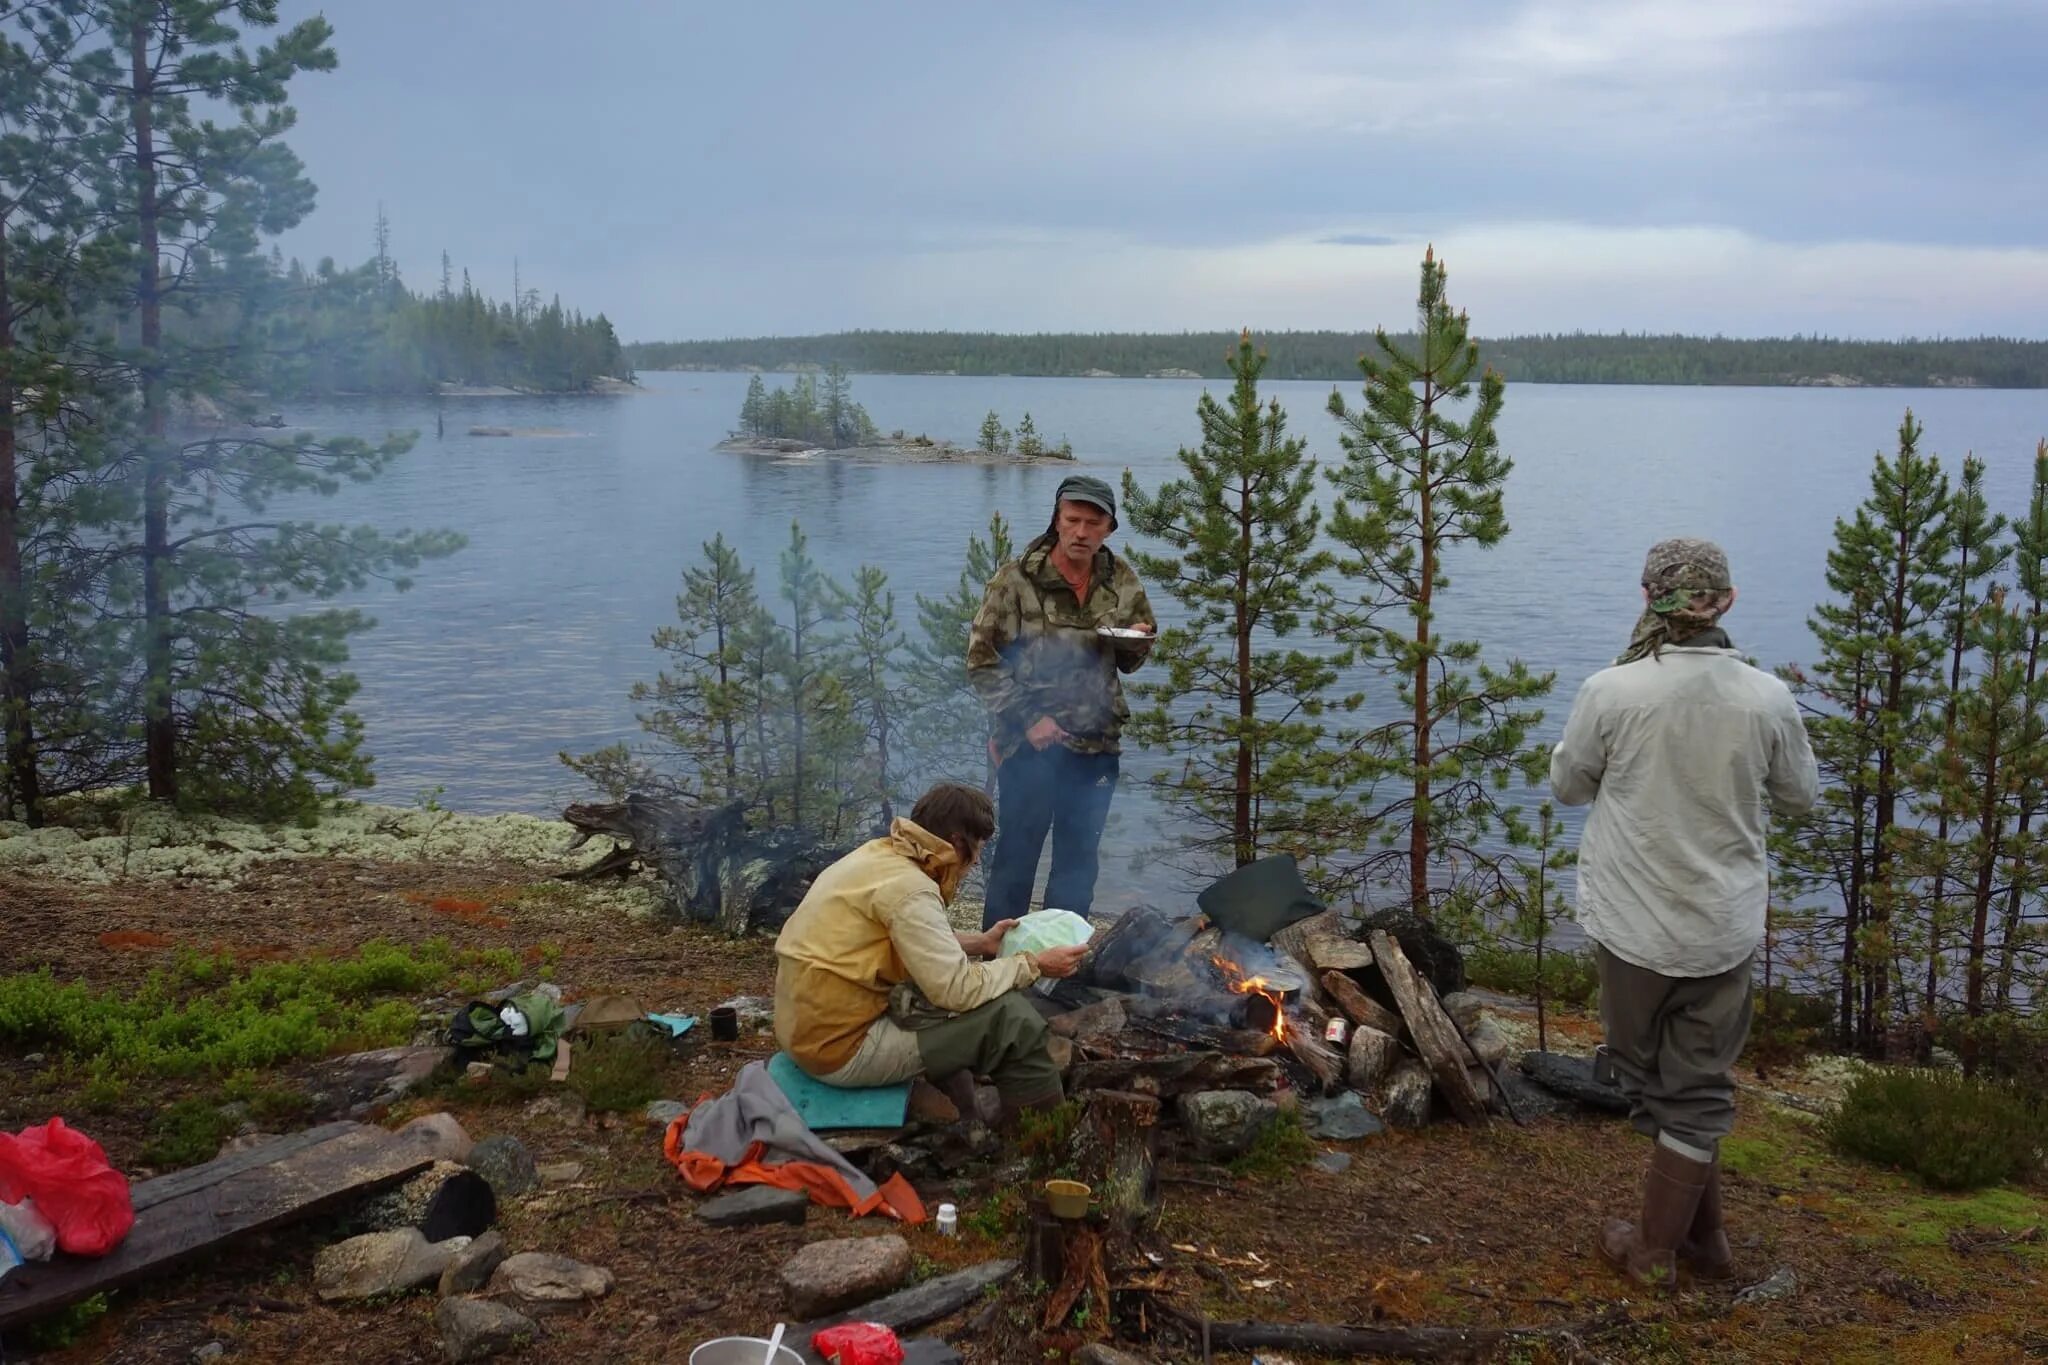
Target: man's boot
[
  {"x": 1647, "y": 1249},
  {"x": 1705, "y": 1250}
]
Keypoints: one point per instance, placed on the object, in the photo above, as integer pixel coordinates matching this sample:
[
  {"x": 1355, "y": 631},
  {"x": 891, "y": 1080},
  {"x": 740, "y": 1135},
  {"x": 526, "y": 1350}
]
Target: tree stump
[{"x": 1115, "y": 1148}]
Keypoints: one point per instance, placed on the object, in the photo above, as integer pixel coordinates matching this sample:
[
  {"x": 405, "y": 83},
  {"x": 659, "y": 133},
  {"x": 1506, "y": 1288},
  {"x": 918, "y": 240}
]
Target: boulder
[
  {"x": 826, "y": 1277},
  {"x": 1336, "y": 1163},
  {"x": 363, "y": 1081},
  {"x": 1223, "y": 1123},
  {"x": 1435, "y": 956},
  {"x": 506, "y": 1164},
  {"x": 564, "y": 1107},
  {"x": 1369, "y": 1058},
  {"x": 1489, "y": 1042},
  {"x": 473, "y": 1266},
  {"x": 1404, "y": 1097},
  {"x": 1532, "y": 1101},
  {"x": 477, "y": 1329},
  {"x": 755, "y": 1206},
  {"x": 441, "y": 1134},
  {"x": 540, "y": 1283},
  {"x": 1572, "y": 1077},
  {"x": 1465, "y": 1008},
  {"x": 382, "y": 1263},
  {"x": 1343, "y": 1118}
]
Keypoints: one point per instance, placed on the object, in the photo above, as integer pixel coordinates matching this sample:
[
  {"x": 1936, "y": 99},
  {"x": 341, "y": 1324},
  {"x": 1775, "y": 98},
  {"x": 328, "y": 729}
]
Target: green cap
[
  {"x": 1675, "y": 570},
  {"x": 1084, "y": 488}
]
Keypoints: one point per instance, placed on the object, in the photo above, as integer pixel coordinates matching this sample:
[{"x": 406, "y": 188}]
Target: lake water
[{"x": 524, "y": 644}]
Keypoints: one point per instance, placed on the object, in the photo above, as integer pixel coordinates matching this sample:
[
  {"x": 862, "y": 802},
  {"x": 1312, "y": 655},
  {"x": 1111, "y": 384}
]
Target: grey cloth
[
  {"x": 756, "y": 1110},
  {"x": 1674, "y": 1042},
  {"x": 1680, "y": 755}
]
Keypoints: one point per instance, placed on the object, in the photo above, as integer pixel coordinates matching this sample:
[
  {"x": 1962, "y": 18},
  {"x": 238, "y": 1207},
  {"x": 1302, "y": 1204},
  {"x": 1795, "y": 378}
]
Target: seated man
[{"x": 875, "y": 920}]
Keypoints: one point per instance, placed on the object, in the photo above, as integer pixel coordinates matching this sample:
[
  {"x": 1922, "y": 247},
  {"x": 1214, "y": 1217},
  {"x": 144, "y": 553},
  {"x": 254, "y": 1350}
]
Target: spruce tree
[
  {"x": 948, "y": 726},
  {"x": 754, "y": 411},
  {"x": 699, "y": 705},
  {"x": 811, "y": 691},
  {"x": 1028, "y": 443},
  {"x": 1868, "y": 700},
  {"x": 874, "y": 644},
  {"x": 1240, "y": 716},
  {"x": 995, "y": 439},
  {"x": 1423, "y": 477}
]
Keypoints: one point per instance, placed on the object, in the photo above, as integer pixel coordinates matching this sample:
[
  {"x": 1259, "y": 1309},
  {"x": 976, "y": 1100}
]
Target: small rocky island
[{"x": 809, "y": 419}]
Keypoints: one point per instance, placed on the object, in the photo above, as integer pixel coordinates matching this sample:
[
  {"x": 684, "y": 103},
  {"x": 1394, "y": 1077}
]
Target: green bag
[{"x": 1042, "y": 929}]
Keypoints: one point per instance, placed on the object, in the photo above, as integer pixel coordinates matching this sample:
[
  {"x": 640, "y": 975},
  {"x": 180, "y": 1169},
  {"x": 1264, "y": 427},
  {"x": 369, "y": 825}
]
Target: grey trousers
[{"x": 1674, "y": 1042}]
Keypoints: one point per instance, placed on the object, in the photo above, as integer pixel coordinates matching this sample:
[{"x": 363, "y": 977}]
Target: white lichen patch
[{"x": 157, "y": 842}]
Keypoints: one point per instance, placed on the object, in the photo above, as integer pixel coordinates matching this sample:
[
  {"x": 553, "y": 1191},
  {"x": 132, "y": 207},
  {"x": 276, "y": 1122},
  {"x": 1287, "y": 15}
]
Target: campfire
[{"x": 1266, "y": 1002}]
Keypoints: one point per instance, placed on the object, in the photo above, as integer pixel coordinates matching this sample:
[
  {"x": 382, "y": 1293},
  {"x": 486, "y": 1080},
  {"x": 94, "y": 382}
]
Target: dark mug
[{"x": 725, "y": 1024}]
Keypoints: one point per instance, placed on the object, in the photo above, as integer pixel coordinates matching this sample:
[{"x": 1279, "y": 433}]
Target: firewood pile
[{"x": 1167, "y": 1009}]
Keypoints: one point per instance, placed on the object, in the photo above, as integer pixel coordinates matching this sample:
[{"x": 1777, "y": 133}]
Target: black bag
[{"x": 1260, "y": 899}]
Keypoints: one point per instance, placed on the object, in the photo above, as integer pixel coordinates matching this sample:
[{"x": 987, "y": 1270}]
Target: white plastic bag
[
  {"x": 27, "y": 1232},
  {"x": 1042, "y": 929}
]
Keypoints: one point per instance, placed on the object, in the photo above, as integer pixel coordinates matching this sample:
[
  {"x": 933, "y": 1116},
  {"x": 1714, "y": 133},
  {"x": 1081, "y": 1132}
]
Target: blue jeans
[{"x": 1048, "y": 789}]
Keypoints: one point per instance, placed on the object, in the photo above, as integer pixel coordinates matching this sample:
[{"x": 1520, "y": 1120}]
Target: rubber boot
[
  {"x": 1647, "y": 1249},
  {"x": 1705, "y": 1250}
]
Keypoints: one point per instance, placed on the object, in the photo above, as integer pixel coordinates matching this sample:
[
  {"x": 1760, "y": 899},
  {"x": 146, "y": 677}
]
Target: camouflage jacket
[{"x": 1033, "y": 650}]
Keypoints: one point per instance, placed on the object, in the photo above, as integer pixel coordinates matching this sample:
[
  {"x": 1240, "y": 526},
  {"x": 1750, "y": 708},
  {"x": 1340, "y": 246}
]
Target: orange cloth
[{"x": 704, "y": 1173}]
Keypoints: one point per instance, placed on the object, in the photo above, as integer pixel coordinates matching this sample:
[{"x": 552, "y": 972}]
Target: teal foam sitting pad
[{"x": 823, "y": 1106}]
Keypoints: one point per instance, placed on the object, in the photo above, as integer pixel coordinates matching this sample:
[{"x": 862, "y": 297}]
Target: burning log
[
  {"x": 1436, "y": 1037},
  {"x": 1114, "y": 1147},
  {"x": 1312, "y": 1052},
  {"x": 1359, "y": 1007}
]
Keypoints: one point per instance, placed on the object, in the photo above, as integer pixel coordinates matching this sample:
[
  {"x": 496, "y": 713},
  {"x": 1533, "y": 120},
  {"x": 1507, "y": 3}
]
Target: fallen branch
[{"x": 1400, "y": 1343}]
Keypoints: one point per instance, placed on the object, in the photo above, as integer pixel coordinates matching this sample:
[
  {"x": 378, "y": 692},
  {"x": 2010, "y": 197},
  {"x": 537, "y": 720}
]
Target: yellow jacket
[{"x": 871, "y": 920}]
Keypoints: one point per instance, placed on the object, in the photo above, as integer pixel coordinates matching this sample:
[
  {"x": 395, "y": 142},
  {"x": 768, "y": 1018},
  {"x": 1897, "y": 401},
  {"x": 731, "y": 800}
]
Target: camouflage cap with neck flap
[{"x": 1676, "y": 569}]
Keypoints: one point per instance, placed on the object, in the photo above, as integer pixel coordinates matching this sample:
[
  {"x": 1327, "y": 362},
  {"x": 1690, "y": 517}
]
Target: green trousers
[{"x": 1004, "y": 1040}]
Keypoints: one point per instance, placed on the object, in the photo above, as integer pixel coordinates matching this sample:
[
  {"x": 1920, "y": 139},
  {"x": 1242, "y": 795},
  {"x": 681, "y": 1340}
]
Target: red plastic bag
[
  {"x": 67, "y": 1174},
  {"x": 858, "y": 1343}
]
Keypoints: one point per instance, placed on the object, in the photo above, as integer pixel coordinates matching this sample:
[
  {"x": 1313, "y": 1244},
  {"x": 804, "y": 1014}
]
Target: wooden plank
[
  {"x": 150, "y": 1193},
  {"x": 206, "y": 1216},
  {"x": 1436, "y": 1037}
]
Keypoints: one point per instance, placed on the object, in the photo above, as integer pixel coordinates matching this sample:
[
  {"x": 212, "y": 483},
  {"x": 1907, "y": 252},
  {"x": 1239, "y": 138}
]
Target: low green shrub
[
  {"x": 1568, "y": 978},
  {"x": 1954, "y": 1133},
  {"x": 1281, "y": 1148},
  {"x": 205, "y": 1014},
  {"x": 618, "y": 1073},
  {"x": 187, "y": 1133},
  {"x": 1045, "y": 1136}
]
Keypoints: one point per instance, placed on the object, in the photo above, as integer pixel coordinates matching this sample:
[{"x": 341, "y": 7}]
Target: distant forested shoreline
[{"x": 1566, "y": 358}]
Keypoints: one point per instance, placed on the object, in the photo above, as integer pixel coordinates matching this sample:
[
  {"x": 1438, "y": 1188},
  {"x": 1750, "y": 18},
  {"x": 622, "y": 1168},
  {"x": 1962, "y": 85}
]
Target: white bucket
[{"x": 742, "y": 1351}]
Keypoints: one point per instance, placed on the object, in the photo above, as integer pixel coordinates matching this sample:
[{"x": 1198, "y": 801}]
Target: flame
[{"x": 1234, "y": 977}]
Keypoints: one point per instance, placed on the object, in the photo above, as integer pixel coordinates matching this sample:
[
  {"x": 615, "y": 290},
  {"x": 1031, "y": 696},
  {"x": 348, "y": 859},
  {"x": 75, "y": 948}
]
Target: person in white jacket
[{"x": 1682, "y": 749}]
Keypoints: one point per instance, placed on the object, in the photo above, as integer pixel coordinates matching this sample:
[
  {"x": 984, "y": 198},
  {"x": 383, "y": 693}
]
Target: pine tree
[
  {"x": 754, "y": 411},
  {"x": 1539, "y": 904},
  {"x": 1028, "y": 444},
  {"x": 810, "y": 690},
  {"x": 1867, "y": 701},
  {"x": 2026, "y": 881},
  {"x": 238, "y": 706},
  {"x": 842, "y": 417},
  {"x": 995, "y": 439},
  {"x": 874, "y": 647},
  {"x": 1241, "y": 714},
  {"x": 700, "y": 706},
  {"x": 948, "y": 727},
  {"x": 1417, "y": 483}
]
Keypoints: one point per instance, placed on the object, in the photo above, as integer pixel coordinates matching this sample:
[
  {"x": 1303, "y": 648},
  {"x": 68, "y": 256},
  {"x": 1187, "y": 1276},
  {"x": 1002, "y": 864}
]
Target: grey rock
[
  {"x": 382, "y": 1263},
  {"x": 540, "y": 1283},
  {"x": 212, "y": 1350},
  {"x": 564, "y": 1107},
  {"x": 473, "y": 1266},
  {"x": 1465, "y": 1009},
  {"x": 36, "y": 1058},
  {"x": 896, "y": 1158},
  {"x": 1489, "y": 1042},
  {"x": 1369, "y": 1057},
  {"x": 1223, "y": 1123},
  {"x": 560, "y": 1172},
  {"x": 1342, "y": 1119},
  {"x": 477, "y": 1329},
  {"x": 1336, "y": 1163},
  {"x": 380, "y": 1077},
  {"x": 440, "y": 1134},
  {"x": 1531, "y": 1100},
  {"x": 1572, "y": 1077},
  {"x": 478, "y": 1073},
  {"x": 1404, "y": 1098},
  {"x": 1782, "y": 1284},
  {"x": 506, "y": 1164},
  {"x": 827, "y": 1276},
  {"x": 755, "y": 1206},
  {"x": 661, "y": 1113}
]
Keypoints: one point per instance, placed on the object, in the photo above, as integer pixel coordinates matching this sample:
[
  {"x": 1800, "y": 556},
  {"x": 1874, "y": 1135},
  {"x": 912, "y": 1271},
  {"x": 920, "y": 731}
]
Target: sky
[{"x": 1866, "y": 168}]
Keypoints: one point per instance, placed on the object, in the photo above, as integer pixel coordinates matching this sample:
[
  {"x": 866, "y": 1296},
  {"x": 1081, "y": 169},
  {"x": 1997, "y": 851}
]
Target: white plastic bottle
[{"x": 948, "y": 1221}]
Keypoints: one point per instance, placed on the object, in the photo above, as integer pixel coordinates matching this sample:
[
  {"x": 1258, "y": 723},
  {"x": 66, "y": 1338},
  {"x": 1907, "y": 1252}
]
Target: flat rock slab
[
  {"x": 382, "y": 1263},
  {"x": 927, "y": 1302},
  {"x": 755, "y": 1206},
  {"x": 1336, "y": 1163},
  {"x": 1572, "y": 1077},
  {"x": 368, "y": 1079},
  {"x": 826, "y": 1277},
  {"x": 1532, "y": 1101},
  {"x": 477, "y": 1329},
  {"x": 1342, "y": 1119},
  {"x": 473, "y": 1266},
  {"x": 540, "y": 1283}
]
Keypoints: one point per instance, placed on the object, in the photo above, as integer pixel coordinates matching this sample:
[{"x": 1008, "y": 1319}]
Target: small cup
[
  {"x": 725, "y": 1024},
  {"x": 1067, "y": 1198}
]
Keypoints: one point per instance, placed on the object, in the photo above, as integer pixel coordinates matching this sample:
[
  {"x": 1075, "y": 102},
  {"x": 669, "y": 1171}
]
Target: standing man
[
  {"x": 1038, "y": 660},
  {"x": 1679, "y": 747}
]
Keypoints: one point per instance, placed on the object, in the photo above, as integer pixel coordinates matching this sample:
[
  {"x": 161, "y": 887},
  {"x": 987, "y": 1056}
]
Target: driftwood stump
[{"x": 1115, "y": 1147}]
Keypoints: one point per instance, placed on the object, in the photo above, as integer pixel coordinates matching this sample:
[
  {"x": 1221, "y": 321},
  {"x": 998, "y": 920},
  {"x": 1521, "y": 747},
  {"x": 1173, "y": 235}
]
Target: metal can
[{"x": 1337, "y": 1030}]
